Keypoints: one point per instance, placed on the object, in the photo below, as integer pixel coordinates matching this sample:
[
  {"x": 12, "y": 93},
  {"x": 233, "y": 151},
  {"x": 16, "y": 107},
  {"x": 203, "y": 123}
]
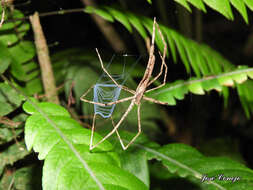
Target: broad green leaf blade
[
  {"x": 136, "y": 164},
  {"x": 63, "y": 163},
  {"x": 134, "y": 160},
  {"x": 48, "y": 108},
  {"x": 185, "y": 161},
  {"x": 101, "y": 164}
]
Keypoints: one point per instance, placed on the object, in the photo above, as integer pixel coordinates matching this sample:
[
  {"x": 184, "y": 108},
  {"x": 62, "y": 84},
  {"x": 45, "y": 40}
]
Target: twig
[
  {"x": 52, "y": 13},
  {"x": 107, "y": 29},
  {"x": 45, "y": 95},
  {"x": 44, "y": 60},
  {"x": 12, "y": 182},
  {"x": 3, "y": 12},
  {"x": 71, "y": 99},
  {"x": 6, "y": 121}
]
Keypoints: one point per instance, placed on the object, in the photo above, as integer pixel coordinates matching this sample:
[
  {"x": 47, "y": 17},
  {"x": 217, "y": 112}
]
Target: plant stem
[
  {"x": 44, "y": 60},
  {"x": 3, "y": 13}
]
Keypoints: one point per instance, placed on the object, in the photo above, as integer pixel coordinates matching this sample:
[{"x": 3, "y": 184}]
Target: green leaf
[
  {"x": 185, "y": 161},
  {"x": 28, "y": 178},
  {"x": 9, "y": 36},
  {"x": 104, "y": 14},
  {"x": 198, "y": 4},
  {"x": 184, "y": 4},
  {"x": 222, "y": 7},
  {"x": 48, "y": 108},
  {"x": 23, "y": 51},
  {"x": 64, "y": 145},
  {"x": 118, "y": 15},
  {"x": 9, "y": 133},
  {"x": 240, "y": 6},
  {"x": 12, "y": 154},
  {"x": 199, "y": 85},
  {"x": 5, "y": 60},
  {"x": 137, "y": 24},
  {"x": 9, "y": 99},
  {"x": 249, "y": 3}
]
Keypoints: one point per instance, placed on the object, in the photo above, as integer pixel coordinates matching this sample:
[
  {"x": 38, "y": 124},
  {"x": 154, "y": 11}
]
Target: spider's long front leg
[
  {"x": 108, "y": 74},
  {"x": 163, "y": 64},
  {"x": 104, "y": 69},
  {"x": 130, "y": 107},
  {"x": 161, "y": 71}
]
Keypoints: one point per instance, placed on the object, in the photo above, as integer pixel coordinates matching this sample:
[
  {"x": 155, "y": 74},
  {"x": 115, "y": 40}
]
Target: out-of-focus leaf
[
  {"x": 5, "y": 59},
  {"x": 9, "y": 99},
  {"x": 28, "y": 178},
  {"x": 8, "y": 133},
  {"x": 12, "y": 154},
  {"x": 23, "y": 51}
]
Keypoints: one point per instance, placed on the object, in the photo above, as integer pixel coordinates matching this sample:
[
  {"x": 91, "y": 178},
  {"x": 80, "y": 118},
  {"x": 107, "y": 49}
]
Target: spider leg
[
  {"x": 163, "y": 63},
  {"x": 113, "y": 124},
  {"x": 130, "y": 107},
  {"x": 154, "y": 100},
  {"x": 104, "y": 69},
  {"x": 128, "y": 89},
  {"x": 92, "y": 131},
  {"x": 164, "y": 79},
  {"x": 3, "y": 13},
  {"x": 110, "y": 103},
  {"x": 138, "y": 133}
]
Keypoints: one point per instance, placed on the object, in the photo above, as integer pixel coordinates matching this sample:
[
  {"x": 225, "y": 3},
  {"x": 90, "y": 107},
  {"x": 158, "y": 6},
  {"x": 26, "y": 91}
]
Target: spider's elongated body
[{"x": 138, "y": 94}]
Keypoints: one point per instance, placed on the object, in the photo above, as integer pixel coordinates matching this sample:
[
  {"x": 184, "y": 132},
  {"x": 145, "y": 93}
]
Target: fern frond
[
  {"x": 20, "y": 53},
  {"x": 203, "y": 60},
  {"x": 223, "y": 7},
  {"x": 170, "y": 92},
  {"x": 200, "y": 57}
]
